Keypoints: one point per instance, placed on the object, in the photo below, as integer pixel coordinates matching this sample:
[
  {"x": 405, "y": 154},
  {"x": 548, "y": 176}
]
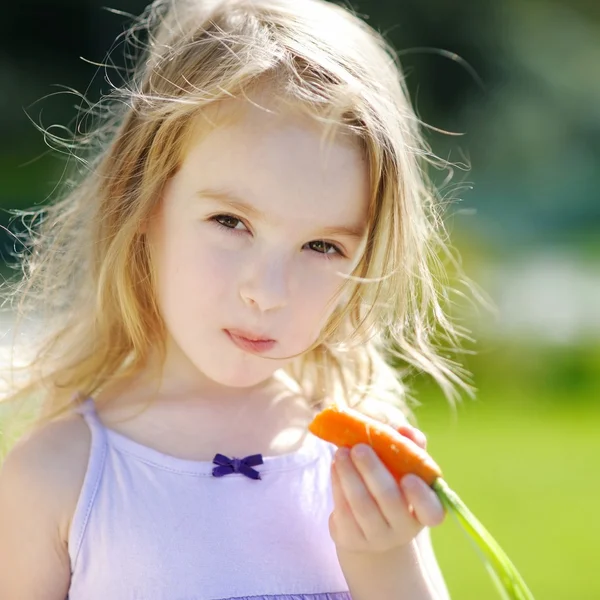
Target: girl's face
[{"x": 249, "y": 242}]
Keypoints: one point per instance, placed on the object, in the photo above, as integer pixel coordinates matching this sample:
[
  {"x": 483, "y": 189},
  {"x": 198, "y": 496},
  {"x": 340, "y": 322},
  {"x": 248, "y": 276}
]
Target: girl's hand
[{"x": 372, "y": 511}]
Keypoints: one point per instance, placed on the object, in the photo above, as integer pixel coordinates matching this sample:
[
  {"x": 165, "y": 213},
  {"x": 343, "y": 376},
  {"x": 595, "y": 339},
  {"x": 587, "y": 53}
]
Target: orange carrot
[{"x": 347, "y": 427}]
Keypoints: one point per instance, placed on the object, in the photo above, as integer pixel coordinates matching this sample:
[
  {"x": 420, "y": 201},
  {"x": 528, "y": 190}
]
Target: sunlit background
[{"x": 515, "y": 84}]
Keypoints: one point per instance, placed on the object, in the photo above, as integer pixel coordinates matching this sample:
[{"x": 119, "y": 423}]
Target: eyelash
[{"x": 215, "y": 219}]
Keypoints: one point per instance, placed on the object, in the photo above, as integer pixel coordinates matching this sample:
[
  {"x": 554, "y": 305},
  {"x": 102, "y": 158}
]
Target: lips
[
  {"x": 248, "y": 335},
  {"x": 249, "y": 341}
]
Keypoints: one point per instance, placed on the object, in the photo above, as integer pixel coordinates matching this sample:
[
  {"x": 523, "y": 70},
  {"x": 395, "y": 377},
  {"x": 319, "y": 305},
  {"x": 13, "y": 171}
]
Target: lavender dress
[{"x": 149, "y": 526}]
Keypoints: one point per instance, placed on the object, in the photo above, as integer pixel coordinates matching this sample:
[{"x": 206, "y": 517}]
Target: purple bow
[{"x": 237, "y": 465}]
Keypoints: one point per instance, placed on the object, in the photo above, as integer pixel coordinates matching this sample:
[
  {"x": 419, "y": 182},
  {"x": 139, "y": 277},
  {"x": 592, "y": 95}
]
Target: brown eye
[
  {"x": 227, "y": 221},
  {"x": 323, "y": 247}
]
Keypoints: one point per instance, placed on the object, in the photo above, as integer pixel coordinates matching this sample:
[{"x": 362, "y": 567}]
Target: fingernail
[
  {"x": 410, "y": 482},
  {"x": 361, "y": 451},
  {"x": 343, "y": 453}
]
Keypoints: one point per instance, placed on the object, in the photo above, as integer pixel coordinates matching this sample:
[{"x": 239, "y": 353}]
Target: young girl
[{"x": 251, "y": 237}]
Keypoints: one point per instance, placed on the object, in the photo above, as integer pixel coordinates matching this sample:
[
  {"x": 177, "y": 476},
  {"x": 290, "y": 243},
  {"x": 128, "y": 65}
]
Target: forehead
[{"x": 279, "y": 159}]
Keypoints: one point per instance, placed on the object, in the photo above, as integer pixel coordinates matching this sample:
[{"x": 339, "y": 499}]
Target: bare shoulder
[
  {"x": 52, "y": 459},
  {"x": 40, "y": 483}
]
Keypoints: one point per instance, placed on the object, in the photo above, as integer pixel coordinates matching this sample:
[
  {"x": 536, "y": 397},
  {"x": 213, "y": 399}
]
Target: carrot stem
[{"x": 507, "y": 579}]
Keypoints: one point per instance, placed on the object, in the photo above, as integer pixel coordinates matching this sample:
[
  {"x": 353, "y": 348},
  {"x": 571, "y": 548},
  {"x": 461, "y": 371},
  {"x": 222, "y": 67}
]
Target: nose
[{"x": 264, "y": 283}]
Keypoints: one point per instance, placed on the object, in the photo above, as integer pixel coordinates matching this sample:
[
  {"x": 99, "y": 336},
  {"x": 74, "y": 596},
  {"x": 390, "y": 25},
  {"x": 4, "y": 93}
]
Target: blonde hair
[{"x": 87, "y": 272}]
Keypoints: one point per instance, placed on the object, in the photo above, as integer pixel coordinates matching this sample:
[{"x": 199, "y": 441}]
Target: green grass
[{"x": 527, "y": 470}]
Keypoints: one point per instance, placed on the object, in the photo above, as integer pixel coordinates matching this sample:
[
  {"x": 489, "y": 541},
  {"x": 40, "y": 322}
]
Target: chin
[{"x": 243, "y": 377}]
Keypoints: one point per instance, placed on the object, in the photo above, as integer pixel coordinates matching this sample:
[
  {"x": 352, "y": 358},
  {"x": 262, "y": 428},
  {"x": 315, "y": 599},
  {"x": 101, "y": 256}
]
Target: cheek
[
  {"x": 195, "y": 278},
  {"x": 316, "y": 299},
  {"x": 322, "y": 281},
  {"x": 200, "y": 264}
]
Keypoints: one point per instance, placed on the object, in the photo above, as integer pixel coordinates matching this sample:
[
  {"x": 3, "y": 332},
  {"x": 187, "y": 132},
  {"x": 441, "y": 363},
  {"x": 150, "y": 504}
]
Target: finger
[
  {"x": 362, "y": 503},
  {"x": 414, "y": 434},
  {"x": 427, "y": 508},
  {"x": 342, "y": 518},
  {"x": 385, "y": 489},
  {"x": 380, "y": 482}
]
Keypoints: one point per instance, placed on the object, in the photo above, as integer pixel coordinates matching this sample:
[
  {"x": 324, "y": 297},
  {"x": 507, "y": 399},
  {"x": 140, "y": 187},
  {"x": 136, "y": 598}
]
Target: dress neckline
[{"x": 307, "y": 453}]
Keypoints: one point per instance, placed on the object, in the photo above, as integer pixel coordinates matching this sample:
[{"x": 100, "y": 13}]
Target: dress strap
[
  {"x": 93, "y": 476},
  {"x": 87, "y": 409},
  {"x": 86, "y": 406}
]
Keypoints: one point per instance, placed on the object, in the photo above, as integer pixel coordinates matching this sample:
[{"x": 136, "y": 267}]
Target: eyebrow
[{"x": 235, "y": 202}]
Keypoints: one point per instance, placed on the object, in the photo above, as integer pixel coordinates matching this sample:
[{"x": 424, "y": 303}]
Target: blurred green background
[{"x": 519, "y": 80}]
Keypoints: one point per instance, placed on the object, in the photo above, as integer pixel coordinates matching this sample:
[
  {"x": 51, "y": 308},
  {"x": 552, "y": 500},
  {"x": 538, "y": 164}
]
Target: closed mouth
[
  {"x": 252, "y": 345},
  {"x": 249, "y": 336}
]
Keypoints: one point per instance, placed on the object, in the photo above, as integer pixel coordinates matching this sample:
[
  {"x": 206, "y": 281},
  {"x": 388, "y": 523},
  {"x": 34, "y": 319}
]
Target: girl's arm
[
  {"x": 399, "y": 574},
  {"x": 36, "y": 484},
  {"x": 432, "y": 567}
]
